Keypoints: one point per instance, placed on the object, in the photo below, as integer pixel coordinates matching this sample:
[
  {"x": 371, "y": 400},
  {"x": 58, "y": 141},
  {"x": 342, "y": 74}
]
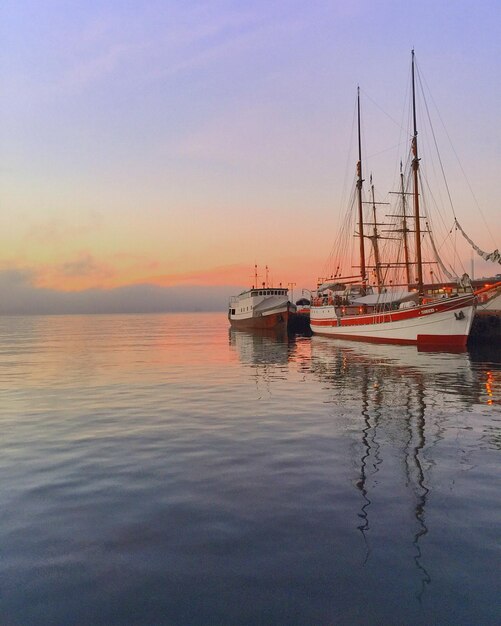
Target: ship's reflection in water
[
  {"x": 403, "y": 395},
  {"x": 413, "y": 420},
  {"x": 393, "y": 422},
  {"x": 160, "y": 470},
  {"x": 262, "y": 347},
  {"x": 266, "y": 352}
]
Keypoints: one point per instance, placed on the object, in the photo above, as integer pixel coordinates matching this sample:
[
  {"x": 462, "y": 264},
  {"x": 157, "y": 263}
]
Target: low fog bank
[{"x": 18, "y": 296}]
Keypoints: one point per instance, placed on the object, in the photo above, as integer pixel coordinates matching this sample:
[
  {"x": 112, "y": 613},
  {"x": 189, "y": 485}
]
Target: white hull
[
  {"x": 443, "y": 323},
  {"x": 264, "y": 308},
  {"x": 270, "y": 318}
]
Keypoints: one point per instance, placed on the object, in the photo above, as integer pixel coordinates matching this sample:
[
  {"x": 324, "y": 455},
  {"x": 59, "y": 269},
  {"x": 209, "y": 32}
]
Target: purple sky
[{"x": 180, "y": 142}]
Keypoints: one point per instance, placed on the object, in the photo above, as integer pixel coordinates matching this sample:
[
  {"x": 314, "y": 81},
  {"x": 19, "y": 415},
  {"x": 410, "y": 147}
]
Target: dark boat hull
[{"x": 263, "y": 322}]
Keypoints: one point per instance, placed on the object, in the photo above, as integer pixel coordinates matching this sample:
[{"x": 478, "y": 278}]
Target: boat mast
[
  {"x": 415, "y": 170},
  {"x": 375, "y": 244},
  {"x": 405, "y": 230},
  {"x": 359, "y": 192}
]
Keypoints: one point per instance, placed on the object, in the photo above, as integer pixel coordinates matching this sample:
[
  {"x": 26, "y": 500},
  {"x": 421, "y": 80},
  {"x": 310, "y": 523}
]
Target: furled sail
[{"x": 495, "y": 256}]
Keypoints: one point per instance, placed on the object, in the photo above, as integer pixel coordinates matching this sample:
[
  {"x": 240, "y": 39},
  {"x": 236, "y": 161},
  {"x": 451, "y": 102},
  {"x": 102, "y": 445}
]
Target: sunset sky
[{"x": 177, "y": 143}]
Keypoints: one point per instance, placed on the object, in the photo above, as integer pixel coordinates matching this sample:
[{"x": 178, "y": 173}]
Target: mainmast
[
  {"x": 359, "y": 193},
  {"x": 415, "y": 170}
]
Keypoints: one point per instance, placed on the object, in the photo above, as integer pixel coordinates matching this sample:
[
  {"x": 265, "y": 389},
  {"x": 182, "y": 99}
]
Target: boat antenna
[
  {"x": 359, "y": 193},
  {"x": 415, "y": 170}
]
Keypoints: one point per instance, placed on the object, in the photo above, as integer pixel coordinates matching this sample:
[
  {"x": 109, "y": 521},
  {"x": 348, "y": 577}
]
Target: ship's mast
[
  {"x": 415, "y": 170},
  {"x": 375, "y": 243},
  {"x": 359, "y": 193},
  {"x": 405, "y": 230}
]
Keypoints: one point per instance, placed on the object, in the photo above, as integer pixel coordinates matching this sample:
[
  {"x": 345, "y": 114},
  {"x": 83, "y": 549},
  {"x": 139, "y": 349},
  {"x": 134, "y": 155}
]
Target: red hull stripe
[{"x": 395, "y": 316}]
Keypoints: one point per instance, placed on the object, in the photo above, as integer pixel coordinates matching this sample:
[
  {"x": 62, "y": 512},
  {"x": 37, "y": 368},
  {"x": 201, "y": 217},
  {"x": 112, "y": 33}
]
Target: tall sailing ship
[{"x": 388, "y": 300}]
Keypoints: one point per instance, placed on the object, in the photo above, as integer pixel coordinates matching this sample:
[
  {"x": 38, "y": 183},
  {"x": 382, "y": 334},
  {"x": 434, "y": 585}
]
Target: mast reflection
[
  {"x": 400, "y": 393},
  {"x": 415, "y": 472}
]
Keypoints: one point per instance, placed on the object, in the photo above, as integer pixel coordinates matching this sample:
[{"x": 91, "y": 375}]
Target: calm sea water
[{"x": 164, "y": 470}]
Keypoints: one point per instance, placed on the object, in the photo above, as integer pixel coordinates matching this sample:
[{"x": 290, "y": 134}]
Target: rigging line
[
  {"x": 404, "y": 126},
  {"x": 425, "y": 185},
  {"x": 341, "y": 244},
  {"x": 437, "y": 196},
  {"x": 436, "y": 144},
  {"x": 375, "y": 154},
  {"x": 423, "y": 81},
  {"x": 340, "y": 219},
  {"x": 437, "y": 256},
  {"x": 349, "y": 159},
  {"x": 382, "y": 110}
]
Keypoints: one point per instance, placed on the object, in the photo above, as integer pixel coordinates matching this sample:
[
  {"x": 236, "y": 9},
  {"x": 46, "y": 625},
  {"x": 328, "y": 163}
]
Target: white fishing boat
[
  {"x": 389, "y": 300},
  {"x": 263, "y": 308}
]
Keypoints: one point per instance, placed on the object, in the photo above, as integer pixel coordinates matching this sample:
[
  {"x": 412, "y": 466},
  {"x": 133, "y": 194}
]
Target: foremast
[
  {"x": 405, "y": 229},
  {"x": 375, "y": 244}
]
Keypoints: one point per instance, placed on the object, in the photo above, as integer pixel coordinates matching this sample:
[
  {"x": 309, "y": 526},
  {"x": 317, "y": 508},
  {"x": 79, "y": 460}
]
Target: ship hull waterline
[
  {"x": 436, "y": 324},
  {"x": 270, "y": 321}
]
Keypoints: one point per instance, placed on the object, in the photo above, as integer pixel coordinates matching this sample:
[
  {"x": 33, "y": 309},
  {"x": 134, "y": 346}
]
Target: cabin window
[
  {"x": 233, "y": 311},
  {"x": 260, "y": 293}
]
